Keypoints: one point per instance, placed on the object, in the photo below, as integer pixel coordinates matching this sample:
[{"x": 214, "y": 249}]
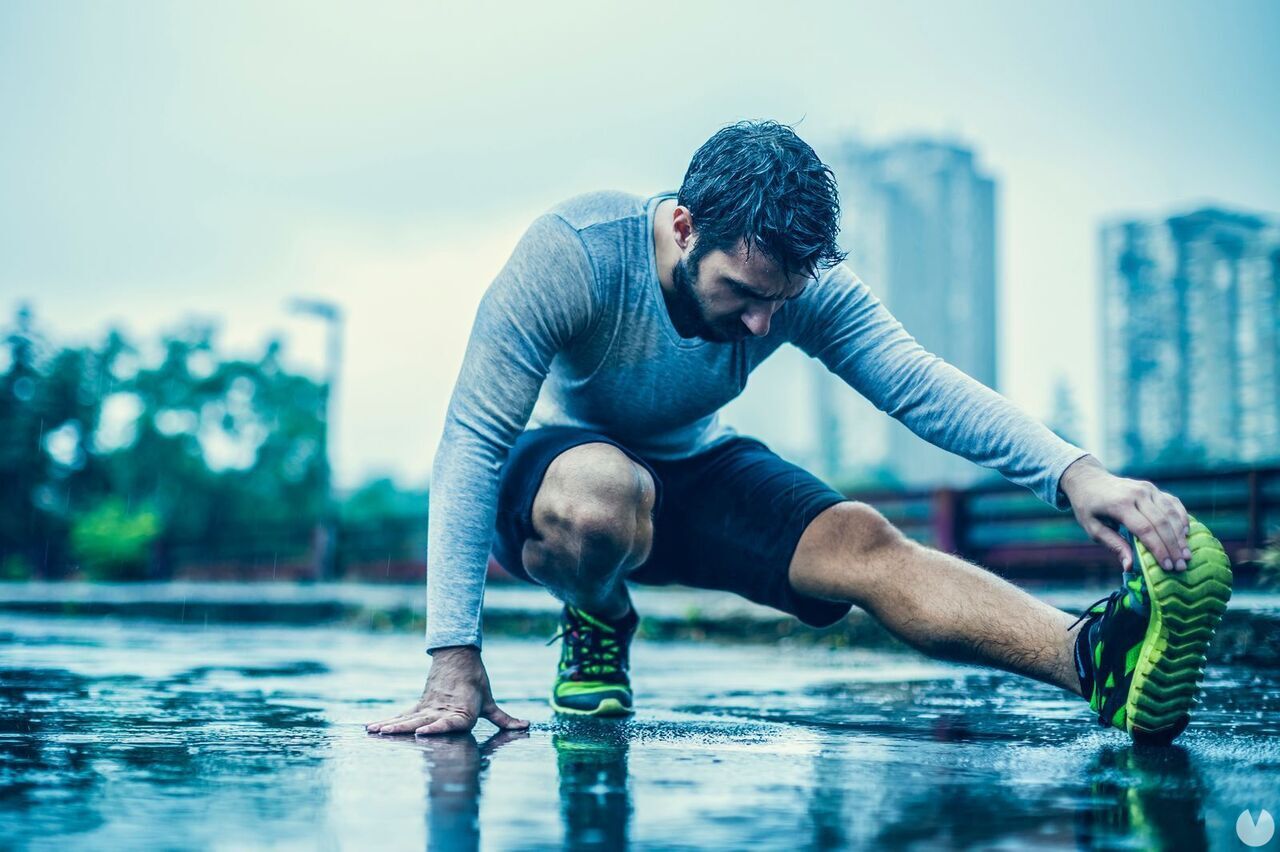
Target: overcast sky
[{"x": 161, "y": 160}]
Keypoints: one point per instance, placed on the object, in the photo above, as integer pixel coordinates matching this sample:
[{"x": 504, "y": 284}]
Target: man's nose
[{"x": 757, "y": 319}]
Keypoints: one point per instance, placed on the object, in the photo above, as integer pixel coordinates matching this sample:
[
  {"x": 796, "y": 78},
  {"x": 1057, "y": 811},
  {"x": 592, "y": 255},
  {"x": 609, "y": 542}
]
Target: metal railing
[
  {"x": 1007, "y": 528},
  {"x": 998, "y": 526}
]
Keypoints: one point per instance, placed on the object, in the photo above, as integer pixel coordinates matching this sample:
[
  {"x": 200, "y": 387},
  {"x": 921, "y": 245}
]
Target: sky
[{"x": 163, "y": 161}]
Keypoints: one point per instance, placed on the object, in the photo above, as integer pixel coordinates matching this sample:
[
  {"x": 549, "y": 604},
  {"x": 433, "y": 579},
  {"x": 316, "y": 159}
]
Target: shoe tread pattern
[{"x": 1186, "y": 607}]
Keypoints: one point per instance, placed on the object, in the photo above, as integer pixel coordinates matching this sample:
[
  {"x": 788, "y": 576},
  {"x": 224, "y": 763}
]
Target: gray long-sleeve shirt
[{"x": 574, "y": 330}]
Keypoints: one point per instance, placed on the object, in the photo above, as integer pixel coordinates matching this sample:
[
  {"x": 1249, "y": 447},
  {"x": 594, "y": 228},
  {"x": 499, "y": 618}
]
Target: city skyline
[
  {"x": 168, "y": 161},
  {"x": 1191, "y": 338}
]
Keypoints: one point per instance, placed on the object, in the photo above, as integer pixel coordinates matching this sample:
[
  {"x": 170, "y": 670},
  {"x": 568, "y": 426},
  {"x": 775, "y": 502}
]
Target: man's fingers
[
  {"x": 405, "y": 726},
  {"x": 1178, "y": 511},
  {"x": 453, "y": 723},
  {"x": 1113, "y": 541},
  {"x": 373, "y": 726},
  {"x": 1162, "y": 538},
  {"x": 504, "y": 720},
  {"x": 408, "y": 724},
  {"x": 1183, "y": 521},
  {"x": 1175, "y": 527}
]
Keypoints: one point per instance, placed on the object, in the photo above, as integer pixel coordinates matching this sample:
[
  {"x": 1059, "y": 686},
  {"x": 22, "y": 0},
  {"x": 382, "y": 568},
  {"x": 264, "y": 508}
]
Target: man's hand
[
  {"x": 456, "y": 695},
  {"x": 1159, "y": 520}
]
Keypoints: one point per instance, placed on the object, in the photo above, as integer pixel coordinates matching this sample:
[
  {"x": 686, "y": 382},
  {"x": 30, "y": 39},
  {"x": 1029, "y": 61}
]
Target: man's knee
[
  {"x": 844, "y": 547},
  {"x": 854, "y": 527},
  {"x": 593, "y": 512}
]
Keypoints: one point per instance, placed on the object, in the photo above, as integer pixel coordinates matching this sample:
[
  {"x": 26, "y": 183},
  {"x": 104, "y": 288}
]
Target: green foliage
[
  {"x": 113, "y": 542},
  {"x": 15, "y": 568},
  {"x": 382, "y": 498},
  {"x": 209, "y": 442}
]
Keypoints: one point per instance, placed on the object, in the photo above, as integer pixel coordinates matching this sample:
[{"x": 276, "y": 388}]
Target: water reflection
[
  {"x": 595, "y": 796},
  {"x": 87, "y": 755},
  {"x": 223, "y": 742},
  {"x": 1152, "y": 796},
  {"x": 454, "y": 766},
  {"x": 591, "y": 764},
  {"x": 1130, "y": 798},
  {"x": 1117, "y": 796}
]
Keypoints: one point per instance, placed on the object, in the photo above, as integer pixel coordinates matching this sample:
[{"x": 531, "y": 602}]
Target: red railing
[
  {"x": 999, "y": 526},
  {"x": 1008, "y": 529}
]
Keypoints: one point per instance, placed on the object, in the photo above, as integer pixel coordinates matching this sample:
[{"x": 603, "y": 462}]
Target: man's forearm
[
  {"x": 857, "y": 338},
  {"x": 463, "y": 506}
]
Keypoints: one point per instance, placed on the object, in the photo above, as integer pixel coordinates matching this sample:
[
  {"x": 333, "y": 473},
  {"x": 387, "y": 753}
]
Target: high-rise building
[
  {"x": 919, "y": 226},
  {"x": 1191, "y": 339},
  {"x": 1064, "y": 415}
]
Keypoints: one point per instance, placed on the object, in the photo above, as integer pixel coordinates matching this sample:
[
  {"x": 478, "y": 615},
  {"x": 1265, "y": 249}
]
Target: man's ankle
[
  {"x": 612, "y": 610},
  {"x": 624, "y": 617}
]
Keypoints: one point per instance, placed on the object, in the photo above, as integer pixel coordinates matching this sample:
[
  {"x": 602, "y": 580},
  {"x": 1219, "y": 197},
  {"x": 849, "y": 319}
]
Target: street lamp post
[{"x": 331, "y": 314}]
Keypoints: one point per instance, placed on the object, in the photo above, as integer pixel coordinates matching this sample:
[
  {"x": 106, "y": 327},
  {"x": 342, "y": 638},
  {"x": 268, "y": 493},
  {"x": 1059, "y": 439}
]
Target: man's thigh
[{"x": 731, "y": 519}]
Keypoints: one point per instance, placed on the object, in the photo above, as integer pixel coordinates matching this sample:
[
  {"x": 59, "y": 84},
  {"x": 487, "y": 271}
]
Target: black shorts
[{"x": 728, "y": 518}]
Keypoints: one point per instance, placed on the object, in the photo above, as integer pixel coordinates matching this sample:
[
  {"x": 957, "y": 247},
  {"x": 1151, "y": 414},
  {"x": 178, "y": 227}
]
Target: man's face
[{"x": 727, "y": 296}]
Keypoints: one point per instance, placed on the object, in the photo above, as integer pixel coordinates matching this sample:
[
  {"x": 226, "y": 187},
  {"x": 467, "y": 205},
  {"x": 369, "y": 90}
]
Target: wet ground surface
[{"x": 126, "y": 734}]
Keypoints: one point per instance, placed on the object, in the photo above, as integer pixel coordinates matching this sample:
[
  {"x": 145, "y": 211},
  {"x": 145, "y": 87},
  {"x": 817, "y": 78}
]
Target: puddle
[{"x": 130, "y": 735}]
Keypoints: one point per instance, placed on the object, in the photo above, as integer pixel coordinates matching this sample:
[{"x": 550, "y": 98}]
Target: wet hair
[{"x": 758, "y": 181}]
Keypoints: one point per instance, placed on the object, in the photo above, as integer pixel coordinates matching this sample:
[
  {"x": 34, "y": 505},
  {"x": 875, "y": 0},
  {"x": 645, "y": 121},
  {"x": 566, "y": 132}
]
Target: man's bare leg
[
  {"x": 937, "y": 603},
  {"x": 593, "y": 525}
]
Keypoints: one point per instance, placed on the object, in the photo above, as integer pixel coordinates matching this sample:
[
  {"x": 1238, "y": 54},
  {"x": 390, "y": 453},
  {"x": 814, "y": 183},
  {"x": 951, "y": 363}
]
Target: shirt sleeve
[
  {"x": 543, "y": 298},
  {"x": 841, "y": 323}
]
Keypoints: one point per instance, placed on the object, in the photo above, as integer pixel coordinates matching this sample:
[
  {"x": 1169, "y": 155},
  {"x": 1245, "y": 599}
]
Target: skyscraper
[
  {"x": 1191, "y": 339},
  {"x": 919, "y": 224}
]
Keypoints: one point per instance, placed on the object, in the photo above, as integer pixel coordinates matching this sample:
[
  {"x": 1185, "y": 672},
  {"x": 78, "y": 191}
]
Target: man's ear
[{"x": 682, "y": 224}]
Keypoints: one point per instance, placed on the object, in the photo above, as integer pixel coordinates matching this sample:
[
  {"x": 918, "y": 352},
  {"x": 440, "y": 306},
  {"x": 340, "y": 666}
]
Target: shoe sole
[
  {"x": 1186, "y": 607},
  {"x": 608, "y": 707}
]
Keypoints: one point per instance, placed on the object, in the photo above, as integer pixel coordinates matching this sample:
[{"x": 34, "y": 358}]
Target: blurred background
[{"x": 241, "y": 247}]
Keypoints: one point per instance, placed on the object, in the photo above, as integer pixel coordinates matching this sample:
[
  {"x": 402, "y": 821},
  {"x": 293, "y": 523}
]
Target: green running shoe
[
  {"x": 1141, "y": 653},
  {"x": 592, "y": 679}
]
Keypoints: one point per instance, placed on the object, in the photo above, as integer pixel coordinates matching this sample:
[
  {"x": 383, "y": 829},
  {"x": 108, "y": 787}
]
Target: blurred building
[
  {"x": 919, "y": 226},
  {"x": 1191, "y": 339},
  {"x": 1065, "y": 418}
]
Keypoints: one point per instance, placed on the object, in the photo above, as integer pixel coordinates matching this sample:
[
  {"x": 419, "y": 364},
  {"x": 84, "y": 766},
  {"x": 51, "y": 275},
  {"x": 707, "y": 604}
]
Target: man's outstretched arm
[
  {"x": 840, "y": 322},
  {"x": 542, "y": 299}
]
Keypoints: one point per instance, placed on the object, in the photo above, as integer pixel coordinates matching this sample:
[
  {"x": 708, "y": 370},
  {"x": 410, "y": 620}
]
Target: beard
[{"x": 688, "y": 313}]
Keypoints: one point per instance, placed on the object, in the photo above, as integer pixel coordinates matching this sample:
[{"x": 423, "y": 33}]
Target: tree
[{"x": 213, "y": 446}]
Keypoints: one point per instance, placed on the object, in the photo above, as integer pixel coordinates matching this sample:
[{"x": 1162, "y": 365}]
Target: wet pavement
[{"x": 118, "y": 734}]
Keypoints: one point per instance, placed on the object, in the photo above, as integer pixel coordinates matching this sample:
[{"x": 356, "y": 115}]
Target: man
[{"x": 622, "y": 325}]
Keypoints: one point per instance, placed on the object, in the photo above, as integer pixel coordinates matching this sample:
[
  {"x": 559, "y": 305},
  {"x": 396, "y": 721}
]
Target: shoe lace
[
  {"x": 1112, "y": 600},
  {"x": 591, "y": 650}
]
